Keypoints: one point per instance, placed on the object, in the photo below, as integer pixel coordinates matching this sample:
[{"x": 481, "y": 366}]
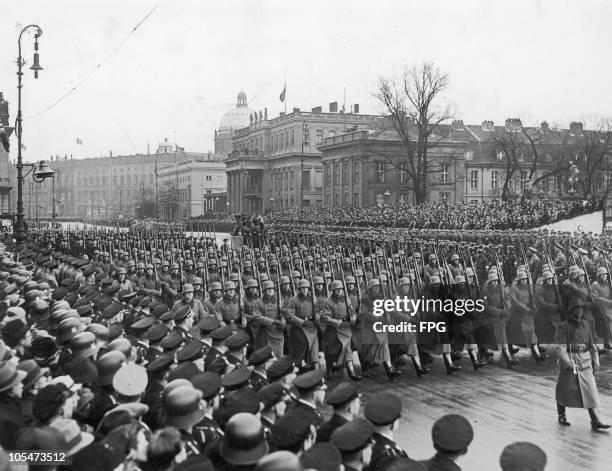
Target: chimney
[
  {"x": 513, "y": 125},
  {"x": 488, "y": 126},
  {"x": 544, "y": 126},
  {"x": 576, "y": 128},
  {"x": 333, "y": 107},
  {"x": 356, "y": 108},
  {"x": 317, "y": 109},
  {"x": 457, "y": 125}
]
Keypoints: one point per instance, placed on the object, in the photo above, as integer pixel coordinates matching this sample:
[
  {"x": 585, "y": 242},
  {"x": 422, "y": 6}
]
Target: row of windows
[
  {"x": 285, "y": 140},
  {"x": 550, "y": 183}
]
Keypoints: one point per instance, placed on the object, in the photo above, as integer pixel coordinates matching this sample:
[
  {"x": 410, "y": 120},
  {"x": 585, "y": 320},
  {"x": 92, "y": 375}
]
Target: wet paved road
[{"x": 504, "y": 406}]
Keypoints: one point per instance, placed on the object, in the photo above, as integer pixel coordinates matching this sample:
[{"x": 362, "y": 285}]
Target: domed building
[{"x": 233, "y": 119}]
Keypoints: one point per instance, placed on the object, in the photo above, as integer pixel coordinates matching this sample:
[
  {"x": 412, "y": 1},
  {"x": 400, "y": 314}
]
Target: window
[
  {"x": 403, "y": 198},
  {"x": 337, "y": 199},
  {"x": 318, "y": 179},
  {"x": 469, "y": 155},
  {"x": 444, "y": 177},
  {"x": 380, "y": 198},
  {"x": 286, "y": 139},
  {"x": 327, "y": 200},
  {"x": 500, "y": 155},
  {"x": 337, "y": 175},
  {"x": 306, "y": 179},
  {"x": 355, "y": 172},
  {"x": 292, "y": 137},
  {"x": 319, "y": 137},
  {"x": 444, "y": 196},
  {"x": 380, "y": 172},
  {"x": 306, "y": 135},
  {"x": 327, "y": 175},
  {"x": 524, "y": 179},
  {"x": 291, "y": 176},
  {"x": 402, "y": 173},
  {"x": 355, "y": 198},
  {"x": 495, "y": 179},
  {"x": 556, "y": 182},
  {"x": 474, "y": 180},
  {"x": 345, "y": 173},
  {"x": 346, "y": 199}
]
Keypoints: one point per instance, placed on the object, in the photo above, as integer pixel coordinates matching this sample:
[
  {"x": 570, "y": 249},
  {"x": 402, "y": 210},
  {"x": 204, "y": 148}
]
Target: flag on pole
[
  {"x": 79, "y": 141},
  {"x": 283, "y": 94}
]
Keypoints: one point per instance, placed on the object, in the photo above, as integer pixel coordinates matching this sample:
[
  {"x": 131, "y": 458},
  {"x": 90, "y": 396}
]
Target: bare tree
[{"x": 413, "y": 107}]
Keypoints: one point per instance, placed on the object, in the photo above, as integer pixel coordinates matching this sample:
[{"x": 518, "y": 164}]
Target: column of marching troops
[{"x": 226, "y": 349}]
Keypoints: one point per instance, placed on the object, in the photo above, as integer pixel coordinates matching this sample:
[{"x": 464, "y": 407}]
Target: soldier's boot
[
  {"x": 350, "y": 370},
  {"x": 561, "y": 416},
  {"x": 425, "y": 356},
  {"x": 450, "y": 366},
  {"x": 486, "y": 353},
  {"x": 391, "y": 372},
  {"x": 596, "y": 424},
  {"x": 513, "y": 350},
  {"x": 537, "y": 355},
  {"x": 510, "y": 360},
  {"x": 475, "y": 362},
  {"x": 420, "y": 370}
]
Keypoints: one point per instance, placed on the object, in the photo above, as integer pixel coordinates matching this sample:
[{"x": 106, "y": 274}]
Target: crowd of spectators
[{"x": 491, "y": 215}]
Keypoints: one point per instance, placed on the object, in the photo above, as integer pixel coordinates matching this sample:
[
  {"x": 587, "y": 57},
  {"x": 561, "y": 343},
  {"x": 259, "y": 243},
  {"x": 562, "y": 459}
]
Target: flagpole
[{"x": 285, "y": 92}]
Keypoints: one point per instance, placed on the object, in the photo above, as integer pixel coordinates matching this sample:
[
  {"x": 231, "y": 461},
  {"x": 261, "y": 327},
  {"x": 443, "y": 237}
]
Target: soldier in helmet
[
  {"x": 338, "y": 318},
  {"x": 229, "y": 308},
  {"x": 125, "y": 285},
  {"x": 149, "y": 284},
  {"x": 495, "y": 316},
  {"x": 548, "y": 308},
  {"x": 601, "y": 293},
  {"x": 302, "y": 320},
  {"x": 267, "y": 323},
  {"x": 375, "y": 345}
]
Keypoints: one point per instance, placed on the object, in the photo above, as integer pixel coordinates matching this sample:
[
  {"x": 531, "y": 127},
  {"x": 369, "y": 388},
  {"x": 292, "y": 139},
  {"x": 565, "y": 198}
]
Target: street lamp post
[{"x": 20, "y": 226}]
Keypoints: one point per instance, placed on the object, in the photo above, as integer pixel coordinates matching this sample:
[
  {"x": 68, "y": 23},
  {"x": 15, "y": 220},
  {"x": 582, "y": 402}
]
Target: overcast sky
[{"x": 182, "y": 68}]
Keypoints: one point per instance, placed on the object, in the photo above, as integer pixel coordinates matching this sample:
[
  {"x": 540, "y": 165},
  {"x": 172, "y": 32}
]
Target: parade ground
[{"x": 504, "y": 406}]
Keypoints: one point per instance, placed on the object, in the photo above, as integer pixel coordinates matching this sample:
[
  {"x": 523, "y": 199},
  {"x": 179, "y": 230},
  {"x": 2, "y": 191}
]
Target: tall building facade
[
  {"x": 6, "y": 182},
  {"x": 104, "y": 187},
  {"x": 276, "y": 164},
  {"x": 188, "y": 189}
]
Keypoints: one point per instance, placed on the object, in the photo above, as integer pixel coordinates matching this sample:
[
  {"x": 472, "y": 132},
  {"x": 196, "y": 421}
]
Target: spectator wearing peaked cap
[
  {"x": 345, "y": 400},
  {"x": 184, "y": 370},
  {"x": 272, "y": 397},
  {"x": 82, "y": 345},
  {"x": 243, "y": 400},
  {"x": 130, "y": 382},
  {"x": 383, "y": 410},
  {"x": 322, "y": 457},
  {"x": 108, "y": 364},
  {"x": 311, "y": 389},
  {"x": 294, "y": 432},
  {"x": 172, "y": 341},
  {"x": 282, "y": 371},
  {"x": 354, "y": 441},
  {"x": 236, "y": 348},
  {"x": 451, "y": 436},
  {"x": 522, "y": 456},
  {"x": 260, "y": 359},
  {"x": 236, "y": 379}
]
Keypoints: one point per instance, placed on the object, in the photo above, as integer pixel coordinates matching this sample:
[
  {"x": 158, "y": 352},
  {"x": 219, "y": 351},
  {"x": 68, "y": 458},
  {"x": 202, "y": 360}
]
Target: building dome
[{"x": 238, "y": 117}]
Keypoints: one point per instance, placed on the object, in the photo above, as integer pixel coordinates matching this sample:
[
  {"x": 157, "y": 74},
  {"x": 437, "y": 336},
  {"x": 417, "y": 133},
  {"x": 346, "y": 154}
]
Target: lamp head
[{"x": 43, "y": 171}]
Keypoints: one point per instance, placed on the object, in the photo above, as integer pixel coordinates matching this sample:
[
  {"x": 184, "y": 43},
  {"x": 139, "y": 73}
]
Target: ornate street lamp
[{"x": 20, "y": 226}]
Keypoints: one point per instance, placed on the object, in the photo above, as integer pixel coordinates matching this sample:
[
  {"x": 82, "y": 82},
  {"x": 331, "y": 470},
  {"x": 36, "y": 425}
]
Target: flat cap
[
  {"x": 352, "y": 436},
  {"x": 452, "y": 432},
  {"x": 310, "y": 380},
  {"x": 236, "y": 379},
  {"x": 208, "y": 382},
  {"x": 237, "y": 340},
  {"x": 156, "y": 332},
  {"x": 322, "y": 457},
  {"x": 522, "y": 456},
  {"x": 261, "y": 355},
  {"x": 190, "y": 351},
  {"x": 221, "y": 333},
  {"x": 208, "y": 324},
  {"x": 342, "y": 394},
  {"x": 182, "y": 313},
  {"x": 161, "y": 363},
  {"x": 281, "y": 367},
  {"x": 271, "y": 394},
  {"x": 383, "y": 408}
]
